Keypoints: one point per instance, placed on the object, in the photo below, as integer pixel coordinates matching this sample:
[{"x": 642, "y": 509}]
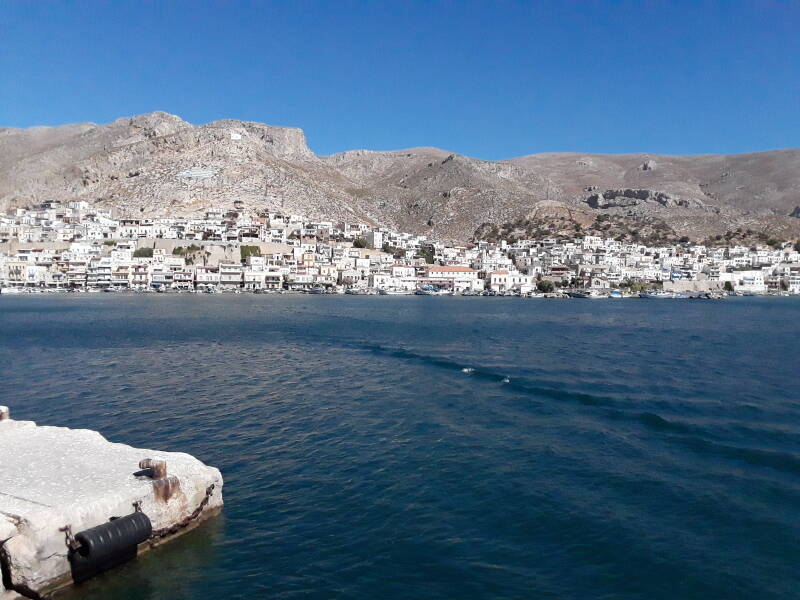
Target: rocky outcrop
[
  {"x": 648, "y": 165},
  {"x": 634, "y": 197},
  {"x": 52, "y": 478},
  {"x": 282, "y": 142},
  {"x": 152, "y": 125}
]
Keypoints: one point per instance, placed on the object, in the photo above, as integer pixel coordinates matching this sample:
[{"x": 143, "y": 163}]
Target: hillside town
[{"x": 72, "y": 246}]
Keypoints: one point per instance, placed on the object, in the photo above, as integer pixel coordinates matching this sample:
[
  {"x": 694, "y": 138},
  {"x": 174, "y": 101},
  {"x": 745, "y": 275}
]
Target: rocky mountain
[{"x": 158, "y": 165}]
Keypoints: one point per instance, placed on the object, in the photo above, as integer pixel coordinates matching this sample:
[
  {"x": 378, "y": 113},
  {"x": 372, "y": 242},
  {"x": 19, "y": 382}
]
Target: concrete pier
[{"x": 56, "y": 482}]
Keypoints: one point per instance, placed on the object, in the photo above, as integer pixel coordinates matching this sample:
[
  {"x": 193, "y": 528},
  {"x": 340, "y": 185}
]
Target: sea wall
[
  {"x": 699, "y": 285},
  {"x": 56, "y": 482}
]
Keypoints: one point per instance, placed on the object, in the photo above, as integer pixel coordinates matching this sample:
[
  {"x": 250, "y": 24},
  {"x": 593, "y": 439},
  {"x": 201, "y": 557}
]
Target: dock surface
[{"x": 52, "y": 478}]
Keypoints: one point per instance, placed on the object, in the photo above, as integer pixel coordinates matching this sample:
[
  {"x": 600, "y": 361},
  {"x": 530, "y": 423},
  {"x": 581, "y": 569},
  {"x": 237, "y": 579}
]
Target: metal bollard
[
  {"x": 165, "y": 488},
  {"x": 157, "y": 468}
]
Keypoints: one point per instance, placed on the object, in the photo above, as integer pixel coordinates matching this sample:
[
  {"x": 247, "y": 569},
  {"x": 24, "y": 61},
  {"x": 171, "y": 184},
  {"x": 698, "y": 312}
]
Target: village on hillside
[{"x": 73, "y": 246}]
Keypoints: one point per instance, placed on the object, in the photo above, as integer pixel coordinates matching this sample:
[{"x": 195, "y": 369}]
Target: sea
[{"x": 436, "y": 447}]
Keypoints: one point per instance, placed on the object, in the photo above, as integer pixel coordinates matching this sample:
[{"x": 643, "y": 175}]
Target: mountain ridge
[{"x": 157, "y": 164}]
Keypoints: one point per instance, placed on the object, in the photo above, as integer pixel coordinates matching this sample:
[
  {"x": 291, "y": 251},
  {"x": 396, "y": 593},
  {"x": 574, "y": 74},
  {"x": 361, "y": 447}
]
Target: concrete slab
[{"x": 51, "y": 477}]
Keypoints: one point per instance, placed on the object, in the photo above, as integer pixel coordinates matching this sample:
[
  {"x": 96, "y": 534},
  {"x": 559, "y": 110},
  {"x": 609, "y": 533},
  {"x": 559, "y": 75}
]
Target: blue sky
[{"x": 487, "y": 79}]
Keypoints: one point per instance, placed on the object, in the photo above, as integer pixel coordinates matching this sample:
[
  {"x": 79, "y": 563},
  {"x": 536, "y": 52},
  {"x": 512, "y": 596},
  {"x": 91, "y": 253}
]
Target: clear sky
[{"x": 488, "y": 79}]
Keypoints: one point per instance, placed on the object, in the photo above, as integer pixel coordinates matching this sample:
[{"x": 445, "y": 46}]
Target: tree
[
  {"x": 427, "y": 255},
  {"x": 143, "y": 253},
  {"x": 184, "y": 250},
  {"x": 546, "y": 286},
  {"x": 393, "y": 250},
  {"x": 359, "y": 243},
  {"x": 728, "y": 287},
  {"x": 246, "y": 251}
]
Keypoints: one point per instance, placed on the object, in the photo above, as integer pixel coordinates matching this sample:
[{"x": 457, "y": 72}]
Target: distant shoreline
[{"x": 578, "y": 294}]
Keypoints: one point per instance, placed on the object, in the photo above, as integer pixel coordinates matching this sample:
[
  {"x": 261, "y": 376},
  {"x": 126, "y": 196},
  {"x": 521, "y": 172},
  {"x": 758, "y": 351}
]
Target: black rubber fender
[{"x": 108, "y": 545}]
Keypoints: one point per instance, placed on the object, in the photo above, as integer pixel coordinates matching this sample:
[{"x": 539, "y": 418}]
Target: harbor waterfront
[
  {"x": 439, "y": 447},
  {"x": 75, "y": 247}
]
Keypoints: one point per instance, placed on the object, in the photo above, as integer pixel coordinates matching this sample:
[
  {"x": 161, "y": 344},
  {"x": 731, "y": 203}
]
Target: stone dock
[{"x": 56, "y": 483}]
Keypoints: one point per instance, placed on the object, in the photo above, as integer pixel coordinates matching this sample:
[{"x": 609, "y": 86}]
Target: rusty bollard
[
  {"x": 5, "y": 414},
  {"x": 157, "y": 469},
  {"x": 166, "y": 487}
]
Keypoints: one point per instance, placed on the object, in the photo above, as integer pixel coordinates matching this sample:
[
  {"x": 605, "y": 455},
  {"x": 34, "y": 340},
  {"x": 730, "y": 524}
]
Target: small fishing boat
[
  {"x": 657, "y": 295},
  {"x": 429, "y": 290},
  {"x": 592, "y": 294}
]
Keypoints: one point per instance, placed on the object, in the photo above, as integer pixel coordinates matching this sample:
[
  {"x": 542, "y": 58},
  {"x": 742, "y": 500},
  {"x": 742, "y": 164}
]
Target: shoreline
[{"x": 561, "y": 295}]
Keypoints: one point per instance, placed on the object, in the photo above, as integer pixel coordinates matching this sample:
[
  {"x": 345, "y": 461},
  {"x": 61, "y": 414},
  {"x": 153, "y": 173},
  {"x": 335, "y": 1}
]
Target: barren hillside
[{"x": 158, "y": 165}]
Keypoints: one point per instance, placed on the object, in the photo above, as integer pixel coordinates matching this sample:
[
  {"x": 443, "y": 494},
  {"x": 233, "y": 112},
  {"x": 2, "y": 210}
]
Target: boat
[
  {"x": 10, "y": 290},
  {"x": 615, "y": 294},
  {"x": 395, "y": 292},
  {"x": 706, "y": 296},
  {"x": 429, "y": 290},
  {"x": 593, "y": 294},
  {"x": 657, "y": 295}
]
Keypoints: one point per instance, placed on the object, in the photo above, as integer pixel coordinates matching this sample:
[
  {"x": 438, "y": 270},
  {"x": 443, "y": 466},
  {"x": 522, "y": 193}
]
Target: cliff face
[{"x": 159, "y": 165}]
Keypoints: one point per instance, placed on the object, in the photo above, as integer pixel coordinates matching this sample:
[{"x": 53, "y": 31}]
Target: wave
[
  {"x": 659, "y": 423},
  {"x": 773, "y": 459},
  {"x": 688, "y": 435},
  {"x": 492, "y": 376},
  {"x": 695, "y": 438}
]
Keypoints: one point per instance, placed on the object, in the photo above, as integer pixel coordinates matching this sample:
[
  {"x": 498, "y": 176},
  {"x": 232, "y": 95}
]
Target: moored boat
[
  {"x": 429, "y": 290},
  {"x": 592, "y": 294},
  {"x": 657, "y": 295}
]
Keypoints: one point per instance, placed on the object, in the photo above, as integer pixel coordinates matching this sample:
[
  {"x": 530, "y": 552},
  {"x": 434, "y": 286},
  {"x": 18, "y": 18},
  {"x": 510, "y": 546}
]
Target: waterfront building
[{"x": 75, "y": 246}]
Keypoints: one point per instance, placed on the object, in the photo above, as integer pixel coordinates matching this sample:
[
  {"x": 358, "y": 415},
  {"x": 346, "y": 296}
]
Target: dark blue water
[{"x": 638, "y": 449}]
